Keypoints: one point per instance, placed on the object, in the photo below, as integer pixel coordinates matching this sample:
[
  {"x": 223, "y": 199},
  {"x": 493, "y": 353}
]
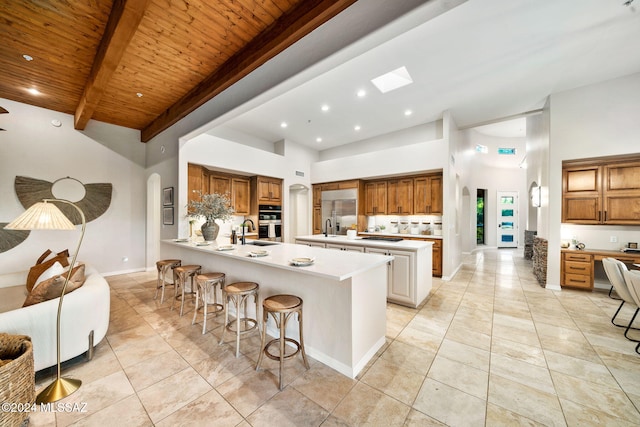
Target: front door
[{"x": 507, "y": 219}]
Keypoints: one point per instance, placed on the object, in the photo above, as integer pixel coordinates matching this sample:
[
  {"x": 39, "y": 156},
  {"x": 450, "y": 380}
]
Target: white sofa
[{"x": 84, "y": 310}]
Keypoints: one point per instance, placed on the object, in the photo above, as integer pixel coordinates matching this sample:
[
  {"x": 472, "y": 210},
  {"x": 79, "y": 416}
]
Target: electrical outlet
[{"x": 613, "y": 239}]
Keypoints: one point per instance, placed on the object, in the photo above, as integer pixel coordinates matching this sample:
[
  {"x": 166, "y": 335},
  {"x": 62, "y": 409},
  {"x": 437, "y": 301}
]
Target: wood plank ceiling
[{"x": 92, "y": 58}]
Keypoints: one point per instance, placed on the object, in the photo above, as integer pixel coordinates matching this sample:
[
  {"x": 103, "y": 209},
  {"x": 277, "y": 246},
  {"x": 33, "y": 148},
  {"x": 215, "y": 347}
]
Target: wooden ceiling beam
[
  {"x": 288, "y": 29},
  {"x": 122, "y": 25}
]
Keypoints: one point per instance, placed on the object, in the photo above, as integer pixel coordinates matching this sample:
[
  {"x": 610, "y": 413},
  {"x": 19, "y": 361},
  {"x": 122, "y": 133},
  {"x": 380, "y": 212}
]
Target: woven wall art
[
  {"x": 9, "y": 239},
  {"x": 96, "y": 201}
]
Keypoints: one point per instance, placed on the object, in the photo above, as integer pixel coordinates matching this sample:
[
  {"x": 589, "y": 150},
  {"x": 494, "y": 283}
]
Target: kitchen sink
[{"x": 261, "y": 243}]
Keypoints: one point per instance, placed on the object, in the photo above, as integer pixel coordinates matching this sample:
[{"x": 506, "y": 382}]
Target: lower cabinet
[
  {"x": 344, "y": 248},
  {"x": 312, "y": 244},
  {"x": 401, "y": 275},
  {"x": 576, "y": 270}
]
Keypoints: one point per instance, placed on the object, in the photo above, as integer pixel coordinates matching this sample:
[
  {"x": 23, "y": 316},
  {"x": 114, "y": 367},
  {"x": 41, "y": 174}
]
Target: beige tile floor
[{"x": 489, "y": 347}]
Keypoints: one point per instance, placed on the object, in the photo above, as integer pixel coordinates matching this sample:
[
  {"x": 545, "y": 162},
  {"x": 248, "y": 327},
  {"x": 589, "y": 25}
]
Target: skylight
[
  {"x": 510, "y": 151},
  {"x": 392, "y": 80},
  {"x": 482, "y": 149}
]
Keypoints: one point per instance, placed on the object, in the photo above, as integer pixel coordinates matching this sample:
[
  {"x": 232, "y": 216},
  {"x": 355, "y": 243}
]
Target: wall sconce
[{"x": 536, "y": 197}]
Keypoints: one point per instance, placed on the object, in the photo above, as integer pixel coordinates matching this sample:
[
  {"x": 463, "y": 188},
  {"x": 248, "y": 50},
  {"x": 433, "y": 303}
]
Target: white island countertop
[
  {"x": 344, "y": 294},
  {"x": 327, "y": 264}
]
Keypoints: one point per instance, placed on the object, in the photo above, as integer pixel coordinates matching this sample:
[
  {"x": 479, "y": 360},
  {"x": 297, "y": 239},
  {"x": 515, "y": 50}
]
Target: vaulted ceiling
[{"x": 142, "y": 64}]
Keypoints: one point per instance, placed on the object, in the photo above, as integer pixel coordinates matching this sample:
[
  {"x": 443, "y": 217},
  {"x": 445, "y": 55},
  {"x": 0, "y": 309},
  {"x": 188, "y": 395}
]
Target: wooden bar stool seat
[
  {"x": 281, "y": 308},
  {"x": 183, "y": 273},
  {"x": 238, "y": 293},
  {"x": 206, "y": 286},
  {"x": 163, "y": 267}
]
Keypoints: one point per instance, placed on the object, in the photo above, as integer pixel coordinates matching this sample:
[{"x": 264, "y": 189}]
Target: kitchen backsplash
[{"x": 410, "y": 224}]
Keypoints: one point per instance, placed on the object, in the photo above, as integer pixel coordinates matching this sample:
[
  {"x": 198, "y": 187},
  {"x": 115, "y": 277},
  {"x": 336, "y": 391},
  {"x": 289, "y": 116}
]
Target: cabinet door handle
[
  {"x": 578, "y": 268},
  {"x": 599, "y": 215},
  {"x": 605, "y": 216}
]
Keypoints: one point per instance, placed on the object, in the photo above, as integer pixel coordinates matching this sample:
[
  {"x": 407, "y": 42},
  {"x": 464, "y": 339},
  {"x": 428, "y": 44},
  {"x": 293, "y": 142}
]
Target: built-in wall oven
[{"x": 270, "y": 222}]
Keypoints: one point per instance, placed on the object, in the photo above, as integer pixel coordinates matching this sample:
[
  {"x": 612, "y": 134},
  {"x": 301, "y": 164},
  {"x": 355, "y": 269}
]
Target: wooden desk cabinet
[{"x": 577, "y": 267}]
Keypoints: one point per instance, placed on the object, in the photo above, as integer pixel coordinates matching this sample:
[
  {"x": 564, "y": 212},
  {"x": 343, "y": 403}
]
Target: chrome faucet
[
  {"x": 326, "y": 227},
  {"x": 253, "y": 227}
]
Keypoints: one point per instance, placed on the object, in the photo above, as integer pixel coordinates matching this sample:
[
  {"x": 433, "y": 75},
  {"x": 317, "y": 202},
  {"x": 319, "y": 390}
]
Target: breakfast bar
[{"x": 344, "y": 294}]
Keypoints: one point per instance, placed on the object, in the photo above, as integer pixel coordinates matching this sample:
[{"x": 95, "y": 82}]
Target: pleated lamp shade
[{"x": 41, "y": 216}]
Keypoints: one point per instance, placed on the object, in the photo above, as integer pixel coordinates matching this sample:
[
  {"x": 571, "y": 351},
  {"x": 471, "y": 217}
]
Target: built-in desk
[{"x": 577, "y": 266}]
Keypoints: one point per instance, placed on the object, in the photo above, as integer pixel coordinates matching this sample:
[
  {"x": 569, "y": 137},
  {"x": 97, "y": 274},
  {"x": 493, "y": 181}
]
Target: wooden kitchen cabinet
[
  {"x": 621, "y": 193},
  {"x": 240, "y": 196},
  {"x": 220, "y": 184},
  {"x": 577, "y": 270},
  {"x": 581, "y": 194},
  {"x": 317, "y": 195},
  {"x": 196, "y": 178},
  {"x": 400, "y": 196},
  {"x": 269, "y": 190},
  {"x": 436, "y": 256},
  {"x": 376, "y": 198},
  {"x": 427, "y": 195},
  {"x": 601, "y": 191},
  {"x": 317, "y": 220}
]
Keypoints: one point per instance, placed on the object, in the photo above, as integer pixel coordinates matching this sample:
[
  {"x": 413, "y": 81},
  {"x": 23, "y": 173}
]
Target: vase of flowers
[{"x": 210, "y": 207}]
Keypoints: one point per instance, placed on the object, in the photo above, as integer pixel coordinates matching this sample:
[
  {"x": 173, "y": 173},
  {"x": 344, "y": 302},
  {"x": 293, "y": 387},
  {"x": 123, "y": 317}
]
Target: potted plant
[{"x": 210, "y": 207}]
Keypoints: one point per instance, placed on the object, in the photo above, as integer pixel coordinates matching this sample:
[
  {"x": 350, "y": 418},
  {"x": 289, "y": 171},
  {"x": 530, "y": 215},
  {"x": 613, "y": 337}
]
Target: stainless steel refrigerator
[{"x": 339, "y": 210}]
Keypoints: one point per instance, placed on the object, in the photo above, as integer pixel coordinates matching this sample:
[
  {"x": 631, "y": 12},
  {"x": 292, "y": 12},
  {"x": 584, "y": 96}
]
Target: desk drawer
[
  {"x": 577, "y": 257},
  {"x": 577, "y": 281},
  {"x": 573, "y": 267}
]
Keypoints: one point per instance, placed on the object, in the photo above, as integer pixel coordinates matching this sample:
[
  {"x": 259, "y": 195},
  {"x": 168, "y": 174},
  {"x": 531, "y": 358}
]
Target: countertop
[
  {"x": 335, "y": 265},
  {"x": 401, "y": 235},
  {"x": 359, "y": 241}
]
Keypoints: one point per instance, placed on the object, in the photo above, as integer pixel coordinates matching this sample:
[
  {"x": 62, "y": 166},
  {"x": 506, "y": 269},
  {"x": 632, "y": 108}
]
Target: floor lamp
[{"x": 47, "y": 216}]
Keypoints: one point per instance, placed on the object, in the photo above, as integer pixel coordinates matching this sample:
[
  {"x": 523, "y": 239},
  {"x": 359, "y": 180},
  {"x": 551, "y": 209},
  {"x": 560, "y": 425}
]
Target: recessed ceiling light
[
  {"x": 33, "y": 91},
  {"x": 408, "y": 112},
  {"x": 318, "y": 139},
  {"x": 356, "y": 127},
  {"x": 361, "y": 93},
  {"x": 27, "y": 57},
  {"x": 283, "y": 125},
  {"x": 392, "y": 80},
  {"x": 139, "y": 94},
  {"x": 325, "y": 107}
]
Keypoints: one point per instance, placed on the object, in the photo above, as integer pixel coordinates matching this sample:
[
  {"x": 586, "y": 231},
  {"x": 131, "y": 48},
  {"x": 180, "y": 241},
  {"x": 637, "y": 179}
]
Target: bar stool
[
  {"x": 206, "y": 284},
  {"x": 163, "y": 267},
  {"x": 238, "y": 293},
  {"x": 281, "y": 307},
  {"x": 183, "y": 273}
]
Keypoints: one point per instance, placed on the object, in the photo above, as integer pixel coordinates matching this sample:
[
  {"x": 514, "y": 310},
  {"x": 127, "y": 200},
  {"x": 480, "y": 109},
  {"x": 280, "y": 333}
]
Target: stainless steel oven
[{"x": 270, "y": 222}]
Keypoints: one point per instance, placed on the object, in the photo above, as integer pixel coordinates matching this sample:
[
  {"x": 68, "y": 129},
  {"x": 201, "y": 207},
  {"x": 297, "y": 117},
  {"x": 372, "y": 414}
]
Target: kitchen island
[
  {"x": 410, "y": 273},
  {"x": 344, "y": 294}
]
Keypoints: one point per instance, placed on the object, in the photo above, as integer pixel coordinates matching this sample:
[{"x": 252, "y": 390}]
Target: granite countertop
[
  {"x": 359, "y": 241},
  {"x": 336, "y": 265}
]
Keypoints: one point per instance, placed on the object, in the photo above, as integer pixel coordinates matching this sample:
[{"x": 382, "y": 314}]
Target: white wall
[
  {"x": 32, "y": 147},
  {"x": 592, "y": 121}
]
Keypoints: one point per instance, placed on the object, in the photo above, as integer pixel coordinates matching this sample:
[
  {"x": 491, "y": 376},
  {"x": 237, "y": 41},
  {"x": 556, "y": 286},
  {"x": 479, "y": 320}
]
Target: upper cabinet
[
  {"x": 240, "y": 195},
  {"x": 269, "y": 190},
  {"x": 427, "y": 195},
  {"x": 196, "y": 179},
  {"x": 417, "y": 195},
  {"x": 237, "y": 188},
  {"x": 400, "y": 196},
  {"x": 604, "y": 191},
  {"x": 375, "y": 198}
]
